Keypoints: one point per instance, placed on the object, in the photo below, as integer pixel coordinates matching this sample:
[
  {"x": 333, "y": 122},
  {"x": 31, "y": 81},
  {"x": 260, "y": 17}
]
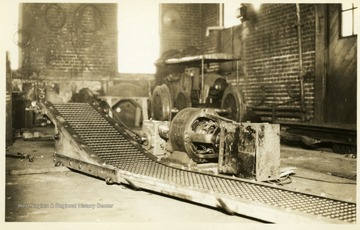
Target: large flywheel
[
  {"x": 233, "y": 102},
  {"x": 161, "y": 103}
]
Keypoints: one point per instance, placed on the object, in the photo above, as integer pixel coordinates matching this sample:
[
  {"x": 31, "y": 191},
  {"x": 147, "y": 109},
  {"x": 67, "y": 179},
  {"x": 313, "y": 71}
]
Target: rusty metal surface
[
  {"x": 111, "y": 143},
  {"x": 250, "y": 150},
  {"x": 192, "y": 131}
]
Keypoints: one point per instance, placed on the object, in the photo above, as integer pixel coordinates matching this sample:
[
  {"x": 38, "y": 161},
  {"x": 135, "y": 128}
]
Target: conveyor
[{"x": 90, "y": 141}]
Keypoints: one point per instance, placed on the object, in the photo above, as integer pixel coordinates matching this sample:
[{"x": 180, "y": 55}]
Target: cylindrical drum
[{"x": 195, "y": 131}]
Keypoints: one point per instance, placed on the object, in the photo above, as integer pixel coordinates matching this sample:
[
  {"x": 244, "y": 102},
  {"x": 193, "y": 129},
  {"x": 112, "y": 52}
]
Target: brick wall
[
  {"x": 267, "y": 44},
  {"x": 210, "y": 18},
  {"x": 270, "y": 57},
  {"x": 188, "y": 27},
  {"x": 67, "y": 47},
  {"x": 81, "y": 47},
  {"x": 180, "y": 26},
  {"x": 69, "y": 41},
  {"x": 183, "y": 32}
]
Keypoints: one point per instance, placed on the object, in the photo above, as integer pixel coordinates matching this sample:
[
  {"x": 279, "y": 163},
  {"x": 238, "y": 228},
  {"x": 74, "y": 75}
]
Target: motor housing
[{"x": 196, "y": 132}]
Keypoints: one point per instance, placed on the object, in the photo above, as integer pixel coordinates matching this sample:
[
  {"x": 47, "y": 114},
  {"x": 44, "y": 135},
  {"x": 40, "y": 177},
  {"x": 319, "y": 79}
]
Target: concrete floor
[{"x": 37, "y": 191}]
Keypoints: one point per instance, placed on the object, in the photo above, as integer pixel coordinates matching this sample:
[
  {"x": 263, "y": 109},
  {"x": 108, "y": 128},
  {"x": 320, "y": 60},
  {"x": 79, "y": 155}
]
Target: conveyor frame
[{"x": 81, "y": 145}]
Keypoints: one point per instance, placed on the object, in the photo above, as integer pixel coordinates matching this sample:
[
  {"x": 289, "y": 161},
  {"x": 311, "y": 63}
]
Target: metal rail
[{"x": 105, "y": 150}]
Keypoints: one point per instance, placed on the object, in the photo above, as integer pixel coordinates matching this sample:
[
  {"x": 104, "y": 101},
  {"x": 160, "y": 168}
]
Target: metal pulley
[
  {"x": 232, "y": 102},
  {"x": 161, "y": 103}
]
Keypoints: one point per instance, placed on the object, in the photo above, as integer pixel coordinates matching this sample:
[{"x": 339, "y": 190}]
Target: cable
[
  {"x": 282, "y": 181},
  {"x": 79, "y": 27},
  {"x": 60, "y": 11},
  {"x": 79, "y": 13},
  {"x": 326, "y": 181},
  {"x": 25, "y": 38},
  {"x": 79, "y": 30}
]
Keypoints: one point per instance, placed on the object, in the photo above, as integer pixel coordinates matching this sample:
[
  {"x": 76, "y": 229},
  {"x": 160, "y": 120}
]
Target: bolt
[
  {"x": 57, "y": 136},
  {"x": 108, "y": 180}
]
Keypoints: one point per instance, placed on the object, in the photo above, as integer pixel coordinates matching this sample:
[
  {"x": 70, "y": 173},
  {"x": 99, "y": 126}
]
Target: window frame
[{"x": 341, "y": 11}]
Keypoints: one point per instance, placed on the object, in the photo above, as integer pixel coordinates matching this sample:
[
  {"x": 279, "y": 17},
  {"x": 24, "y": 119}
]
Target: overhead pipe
[
  {"x": 221, "y": 21},
  {"x": 301, "y": 70}
]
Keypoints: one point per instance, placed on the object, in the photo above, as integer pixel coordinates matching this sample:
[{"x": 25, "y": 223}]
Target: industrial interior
[{"x": 214, "y": 113}]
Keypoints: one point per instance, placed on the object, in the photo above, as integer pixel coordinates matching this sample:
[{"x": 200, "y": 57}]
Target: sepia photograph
[{"x": 180, "y": 113}]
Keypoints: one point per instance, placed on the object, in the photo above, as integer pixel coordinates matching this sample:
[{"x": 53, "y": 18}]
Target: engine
[
  {"x": 247, "y": 150},
  {"x": 196, "y": 132}
]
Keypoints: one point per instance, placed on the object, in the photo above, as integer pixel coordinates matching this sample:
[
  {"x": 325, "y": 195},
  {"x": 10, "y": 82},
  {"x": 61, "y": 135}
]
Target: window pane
[{"x": 346, "y": 26}]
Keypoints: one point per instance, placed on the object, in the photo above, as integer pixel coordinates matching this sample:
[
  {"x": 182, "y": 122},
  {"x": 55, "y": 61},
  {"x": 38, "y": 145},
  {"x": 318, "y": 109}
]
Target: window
[
  {"x": 349, "y": 19},
  {"x": 138, "y": 36}
]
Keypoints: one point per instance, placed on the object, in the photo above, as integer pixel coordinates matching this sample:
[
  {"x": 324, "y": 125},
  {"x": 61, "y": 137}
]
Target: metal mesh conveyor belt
[{"x": 110, "y": 145}]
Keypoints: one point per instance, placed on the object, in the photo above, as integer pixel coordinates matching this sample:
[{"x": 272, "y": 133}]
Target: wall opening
[
  {"x": 230, "y": 9},
  {"x": 138, "y": 36},
  {"x": 12, "y": 30}
]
